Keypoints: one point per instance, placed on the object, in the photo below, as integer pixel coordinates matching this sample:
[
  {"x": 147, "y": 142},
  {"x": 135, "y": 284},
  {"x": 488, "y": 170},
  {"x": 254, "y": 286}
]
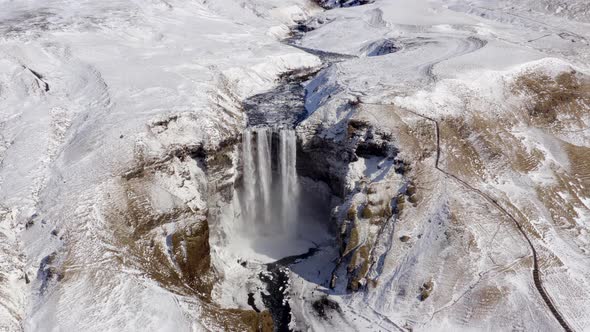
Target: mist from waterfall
[{"x": 270, "y": 194}]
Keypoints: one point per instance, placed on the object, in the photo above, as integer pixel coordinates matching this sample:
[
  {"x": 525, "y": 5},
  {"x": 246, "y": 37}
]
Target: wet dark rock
[
  {"x": 283, "y": 105},
  {"x": 401, "y": 166},
  {"x": 277, "y": 280},
  {"x": 425, "y": 290},
  {"x": 276, "y": 298},
  {"x": 380, "y": 47},
  {"x": 324, "y": 305},
  {"x": 369, "y": 149},
  {"x": 325, "y": 160},
  {"x": 30, "y": 223},
  {"x": 48, "y": 272},
  {"x": 356, "y": 125},
  {"x": 331, "y": 4},
  {"x": 303, "y": 28},
  {"x": 252, "y": 302},
  {"x": 161, "y": 125}
]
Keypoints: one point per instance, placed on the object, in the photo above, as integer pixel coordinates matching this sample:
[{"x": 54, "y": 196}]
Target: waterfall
[
  {"x": 263, "y": 145},
  {"x": 289, "y": 184},
  {"x": 270, "y": 194},
  {"x": 249, "y": 175}
]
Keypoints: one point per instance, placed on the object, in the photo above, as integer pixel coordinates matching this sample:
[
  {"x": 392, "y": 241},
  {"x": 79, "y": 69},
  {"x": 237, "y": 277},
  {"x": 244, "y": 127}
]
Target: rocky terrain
[{"x": 424, "y": 165}]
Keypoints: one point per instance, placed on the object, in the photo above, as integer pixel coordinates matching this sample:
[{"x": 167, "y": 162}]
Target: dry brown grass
[
  {"x": 358, "y": 267},
  {"x": 579, "y": 157},
  {"x": 488, "y": 298},
  {"x": 418, "y": 139},
  {"x": 367, "y": 213},
  {"x": 458, "y": 152},
  {"x": 555, "y": 100},
  {"x": 524, "y": 161},
  {"x": 182, "y": 267},
  {"x": 237, "y": 320},
  {"x": 411, "y": 192},
  {"x": 351, "y": 213},
  {"x": 137, "y": 229},
  {"x": 196, "y": 264},
  {"x": 426, "y": 289},
  {"x": 353, "y": 241}
]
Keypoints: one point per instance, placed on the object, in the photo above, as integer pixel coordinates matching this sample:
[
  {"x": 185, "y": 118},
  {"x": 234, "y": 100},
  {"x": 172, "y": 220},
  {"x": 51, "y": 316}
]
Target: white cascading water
[
  {"x": 289, "y": 183},
  {"x": 270, "y": 199},
  {"x": 249, "y": 175}
]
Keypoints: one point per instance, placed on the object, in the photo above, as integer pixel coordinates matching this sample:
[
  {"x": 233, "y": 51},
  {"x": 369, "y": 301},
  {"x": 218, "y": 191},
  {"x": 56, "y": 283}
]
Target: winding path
[
  {"x": 536, "y": 271},
  {"x": 462, "y": 46}
]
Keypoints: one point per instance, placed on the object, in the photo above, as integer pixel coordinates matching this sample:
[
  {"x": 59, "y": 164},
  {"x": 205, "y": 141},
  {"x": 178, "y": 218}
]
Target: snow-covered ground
[
  {"x": 110, "y": 70},
  {"x": 119, "y": 124}
]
